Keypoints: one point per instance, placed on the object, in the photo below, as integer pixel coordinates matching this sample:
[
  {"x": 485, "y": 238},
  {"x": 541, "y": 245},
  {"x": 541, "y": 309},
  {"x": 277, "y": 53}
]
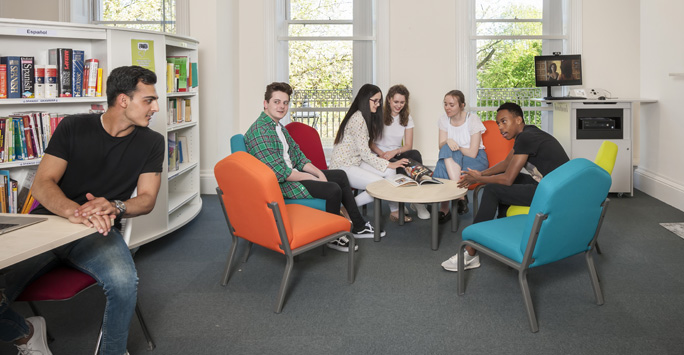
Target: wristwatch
[{"x": 120, "y": 206}]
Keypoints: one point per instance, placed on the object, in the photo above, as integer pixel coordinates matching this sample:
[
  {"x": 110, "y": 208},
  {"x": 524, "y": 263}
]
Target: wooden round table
[{"x": 427, "y": 193}]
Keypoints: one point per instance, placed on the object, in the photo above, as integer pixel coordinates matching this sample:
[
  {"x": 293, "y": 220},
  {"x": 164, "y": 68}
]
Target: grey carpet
[{"x": 402, "y": 301}]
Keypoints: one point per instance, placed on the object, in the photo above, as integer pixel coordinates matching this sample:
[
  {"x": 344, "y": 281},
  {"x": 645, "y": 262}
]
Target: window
[
  {"x": 505, "y": 37},
  {"x": 154, "y": 15},
  {"x": 325, "y": 51}
]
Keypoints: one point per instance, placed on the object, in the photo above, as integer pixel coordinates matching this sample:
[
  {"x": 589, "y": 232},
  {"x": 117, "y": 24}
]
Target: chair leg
[
  {"x": 350, "y": 271},
  {"x": 594, "y": 278},
  {"x": 461, "y": 274},
  {"x": 231, "y": 255},
  {"x": 598, "y": 249},
  {"x": 146, "y": 332},
  {"x": 249, "y": 249},
  {"x": 280, "y": 300},
  {"x": 527, "y": 298}
]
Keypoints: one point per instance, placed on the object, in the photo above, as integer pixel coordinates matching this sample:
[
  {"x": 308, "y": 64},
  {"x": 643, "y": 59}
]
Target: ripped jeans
[{"x": 105, "y": 258}]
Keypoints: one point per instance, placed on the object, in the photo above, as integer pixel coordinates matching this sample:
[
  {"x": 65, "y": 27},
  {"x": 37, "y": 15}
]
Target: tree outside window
[{"x": 153, "y": 15}]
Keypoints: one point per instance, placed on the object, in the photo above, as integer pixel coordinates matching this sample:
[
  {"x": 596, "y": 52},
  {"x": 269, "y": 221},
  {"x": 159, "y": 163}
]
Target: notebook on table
[{"x": 10, "y": 223}]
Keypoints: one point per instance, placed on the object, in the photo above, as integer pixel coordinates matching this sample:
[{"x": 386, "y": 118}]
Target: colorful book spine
[
  {"x": 98, "y": 91},
  {"x": 77, "y": 76},
  {"x": 91, "y": 77},
  {"x": 3, "y": 81},
  {"x": 63, "y": 59},
  {"x": 27, "y": 78},
  {"x": 13, "y": 69},
  {"x": 51, "y": 83},
  {"x": 40, "y": 81}
]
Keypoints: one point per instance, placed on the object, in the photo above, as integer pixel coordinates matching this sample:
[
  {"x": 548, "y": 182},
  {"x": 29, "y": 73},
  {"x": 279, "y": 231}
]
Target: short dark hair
[
  {"x": 276, "y": 86},
  {"x": 124, "y": 80},
  {"x": 513, "y": 108}
]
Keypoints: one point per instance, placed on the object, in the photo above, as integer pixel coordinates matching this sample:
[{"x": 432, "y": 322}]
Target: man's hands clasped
[{"x": 98, "y": 213}]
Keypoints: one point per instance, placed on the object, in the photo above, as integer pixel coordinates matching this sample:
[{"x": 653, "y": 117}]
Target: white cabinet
[{"x": 178, "y": 201}]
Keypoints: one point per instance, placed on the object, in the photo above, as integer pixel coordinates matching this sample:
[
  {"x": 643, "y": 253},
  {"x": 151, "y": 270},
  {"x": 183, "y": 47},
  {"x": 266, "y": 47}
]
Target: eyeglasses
[{"x": 376, "y": 101}]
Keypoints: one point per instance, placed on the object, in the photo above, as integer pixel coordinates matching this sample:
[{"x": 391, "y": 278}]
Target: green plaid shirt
[{"x": 262, "y": 142}]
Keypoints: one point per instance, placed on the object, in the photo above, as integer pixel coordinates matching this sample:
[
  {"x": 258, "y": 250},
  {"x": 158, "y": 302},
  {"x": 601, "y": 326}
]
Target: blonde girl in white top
[{"x": 362, "y": 125}]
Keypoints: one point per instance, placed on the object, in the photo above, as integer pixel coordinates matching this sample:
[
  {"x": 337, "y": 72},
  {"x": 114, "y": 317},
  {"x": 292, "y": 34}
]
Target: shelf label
[
  {"x": 36, "y": 32},
  {"x": 33, "y": 101}
]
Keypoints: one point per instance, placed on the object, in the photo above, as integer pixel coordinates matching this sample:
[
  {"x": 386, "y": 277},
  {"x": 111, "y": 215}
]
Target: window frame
[{"x": 179, "y": 6}]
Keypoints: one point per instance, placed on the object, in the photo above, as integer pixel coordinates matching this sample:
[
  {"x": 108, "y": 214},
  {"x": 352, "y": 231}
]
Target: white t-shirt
[
  {"x": 393, "y": 135},
  {"x": 286, "y": 147},
  {"x": 461, "y": 134}
]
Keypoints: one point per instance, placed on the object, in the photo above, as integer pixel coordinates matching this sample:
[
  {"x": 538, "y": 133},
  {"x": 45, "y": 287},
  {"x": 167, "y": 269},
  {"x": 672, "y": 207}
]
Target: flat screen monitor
[{"x": 557, "y": 70}]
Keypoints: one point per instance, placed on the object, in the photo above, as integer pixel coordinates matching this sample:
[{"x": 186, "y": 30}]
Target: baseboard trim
[
  {"x": 207, "y": 183},
  {"x": 660, "y": 187}
]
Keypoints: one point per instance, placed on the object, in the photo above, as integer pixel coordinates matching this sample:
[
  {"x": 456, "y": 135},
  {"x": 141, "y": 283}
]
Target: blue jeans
[
  {"x": 105, "y": 258},
  {"x": 478, "y": 163}
]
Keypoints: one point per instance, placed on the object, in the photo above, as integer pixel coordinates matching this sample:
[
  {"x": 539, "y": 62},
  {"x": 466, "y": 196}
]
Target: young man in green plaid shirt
[{"x": 268, "y": 140}]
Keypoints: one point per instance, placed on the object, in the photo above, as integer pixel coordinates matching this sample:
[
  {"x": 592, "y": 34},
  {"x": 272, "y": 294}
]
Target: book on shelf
[
  {"x": 195, "y": 77},
  {"x": 51, "y": 84},
  {"x": 13, "y": 73},
  {"x": 39, "y": 75},
  {"x": 90, "y": 77},
  {"x": 77, "y": 73},
  {"x": 180, "y": 71},
  {"x": 24, "y": 178},
  {"x": 63, "y": 59},
  {"x": 3, "y": 81},
  {"x": 98, "y": 87},
  {"x": 28, "y": 78},
  {"x": 173, "y": 151},
  {"x": 417, "y": 174},
  {"x": 184, "y": 154}
]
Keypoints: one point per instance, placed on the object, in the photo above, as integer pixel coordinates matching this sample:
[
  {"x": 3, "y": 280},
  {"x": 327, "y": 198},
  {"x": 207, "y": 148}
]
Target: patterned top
[
  {"x": 262, "y": 142},
  {"x": 354, "y": 146}
]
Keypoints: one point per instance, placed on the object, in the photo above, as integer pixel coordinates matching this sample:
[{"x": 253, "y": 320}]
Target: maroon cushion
[
  {"x": 309, "y": 142},
  {"x": 58, "y": 284}
]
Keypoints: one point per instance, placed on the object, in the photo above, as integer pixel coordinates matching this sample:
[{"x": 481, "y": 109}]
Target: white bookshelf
[{"x": 179, "y": 200}]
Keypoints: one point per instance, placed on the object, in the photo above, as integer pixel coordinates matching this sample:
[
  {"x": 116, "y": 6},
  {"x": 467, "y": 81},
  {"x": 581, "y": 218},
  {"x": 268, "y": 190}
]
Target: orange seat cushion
[{"x": 309, "y": 224}]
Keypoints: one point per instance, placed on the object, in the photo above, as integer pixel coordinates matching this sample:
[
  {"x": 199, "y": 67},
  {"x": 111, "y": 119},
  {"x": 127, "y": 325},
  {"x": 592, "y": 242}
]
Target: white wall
[
  {"x": 661, "y": 172},
  {"x": 30, "y": 9}
]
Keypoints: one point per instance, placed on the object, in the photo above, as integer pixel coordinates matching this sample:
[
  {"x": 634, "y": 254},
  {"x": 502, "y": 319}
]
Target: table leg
[
  {"x": 435, "y": 225},
  {"x": 377, "y": 213},
  {"x": 401, "y": 213},
  {"x": 455, "y": 218}
]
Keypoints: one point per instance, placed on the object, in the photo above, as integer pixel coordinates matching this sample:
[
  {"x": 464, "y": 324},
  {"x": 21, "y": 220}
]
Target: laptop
[{"x": 10, "y": 223}]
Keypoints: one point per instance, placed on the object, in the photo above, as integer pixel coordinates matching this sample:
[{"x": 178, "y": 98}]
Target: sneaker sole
[
  {"x": 467, "y": 267},
  {"x": 342, "y": 249}
]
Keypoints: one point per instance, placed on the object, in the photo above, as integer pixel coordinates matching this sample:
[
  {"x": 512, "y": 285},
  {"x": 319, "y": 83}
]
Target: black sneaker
[
  {"x": 367, "y": 232},
  {"x": 341, "y": 244}
]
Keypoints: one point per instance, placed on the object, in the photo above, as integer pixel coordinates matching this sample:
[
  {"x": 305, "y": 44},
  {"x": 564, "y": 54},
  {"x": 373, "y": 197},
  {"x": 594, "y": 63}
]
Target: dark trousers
[
  {"x": 336, "y": 191},
  {"x": 409, "y": 154},
  {"x": 496, "y": 196}
]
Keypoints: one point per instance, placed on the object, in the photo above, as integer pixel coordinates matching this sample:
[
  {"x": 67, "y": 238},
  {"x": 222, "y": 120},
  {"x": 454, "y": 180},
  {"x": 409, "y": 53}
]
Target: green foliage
[{"x": 140, "y": 10}]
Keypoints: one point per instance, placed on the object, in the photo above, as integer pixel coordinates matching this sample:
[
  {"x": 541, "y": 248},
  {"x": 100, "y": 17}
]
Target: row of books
[
  {"x": 181, "y": 74},
  {"x": 178, "y": 150},
  {"x": 15, "y": 191},
  {"x": 178, "y": 110},
  {"x": 67, "y": 74},
  {"x": 25, "y": 135}
]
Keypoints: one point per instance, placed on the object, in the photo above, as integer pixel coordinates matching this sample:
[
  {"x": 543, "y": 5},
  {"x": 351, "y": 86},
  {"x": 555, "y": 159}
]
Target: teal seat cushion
[
  {"x": 501, "y": 235},
  {"x": 316, "y": 203}
]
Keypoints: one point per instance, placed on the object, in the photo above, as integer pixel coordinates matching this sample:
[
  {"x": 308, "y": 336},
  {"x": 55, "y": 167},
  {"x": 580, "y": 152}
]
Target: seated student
[
  {"x": 90, "y": 169},
  {"x": 460, "y": 146},
  {"x": 396, "y": 140},
  {"x": 535, "y": 150},
  {"x": 361, "y": 126},
  {"x": 268, "y": 140}
]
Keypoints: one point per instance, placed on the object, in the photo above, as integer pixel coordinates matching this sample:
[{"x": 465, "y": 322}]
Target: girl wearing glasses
[
  {"x": 396, "y": 141},
  {"x": 361, "y": 126},
  {"x": 460, "y": 146}
]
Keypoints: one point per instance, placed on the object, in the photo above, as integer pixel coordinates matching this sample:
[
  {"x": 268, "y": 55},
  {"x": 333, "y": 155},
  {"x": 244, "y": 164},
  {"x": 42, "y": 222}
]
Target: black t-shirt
[
  {"x": 544, "y": 151},
  {"x": 98, "y": 163}
]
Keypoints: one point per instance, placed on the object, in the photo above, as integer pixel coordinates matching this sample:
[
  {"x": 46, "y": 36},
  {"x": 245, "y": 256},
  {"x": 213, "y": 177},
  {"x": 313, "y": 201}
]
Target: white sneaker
[
  {"x": 37, "y": 345},
  {"x": 367, "y": 232},
  {"x": 471, "y": 262},
  {"x": 421, "y": 210},
  {"x": 342, "y": 244}
]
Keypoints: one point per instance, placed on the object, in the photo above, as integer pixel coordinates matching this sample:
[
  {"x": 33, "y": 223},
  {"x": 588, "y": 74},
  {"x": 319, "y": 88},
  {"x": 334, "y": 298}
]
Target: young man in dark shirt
[{"x": 535, "y": 150}]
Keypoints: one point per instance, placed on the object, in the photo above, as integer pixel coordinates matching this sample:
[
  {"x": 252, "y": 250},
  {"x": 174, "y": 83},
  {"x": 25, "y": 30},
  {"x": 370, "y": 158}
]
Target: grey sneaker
[
  {"x": 341, "y": 244},
  {"x": 471, "y": 262},
  {"x": 37, "y": 345}
]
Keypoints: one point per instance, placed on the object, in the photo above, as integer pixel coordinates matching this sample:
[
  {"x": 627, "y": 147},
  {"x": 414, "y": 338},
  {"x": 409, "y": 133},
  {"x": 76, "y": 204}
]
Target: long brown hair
[{"x": 404, "y": 113}]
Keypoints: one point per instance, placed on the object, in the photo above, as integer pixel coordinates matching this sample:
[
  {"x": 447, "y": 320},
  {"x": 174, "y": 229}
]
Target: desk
[
  {"x": 38, "y": 238},
  {"x": 427, "y": 193}
]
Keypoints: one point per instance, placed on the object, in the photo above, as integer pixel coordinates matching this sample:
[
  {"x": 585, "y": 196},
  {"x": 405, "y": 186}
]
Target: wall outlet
[
  {"x": 594, "y": 93},
  {"x": 579, "y": 93}
]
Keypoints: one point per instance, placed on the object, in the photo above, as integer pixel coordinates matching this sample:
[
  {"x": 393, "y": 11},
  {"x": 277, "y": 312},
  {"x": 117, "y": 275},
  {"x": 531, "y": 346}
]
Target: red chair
[
  {"x": 256, "y": 212},
  {"x": 497, "y": 148},
  {"x": 309, "y": 142},
  {"x": 65, "y": 282}
]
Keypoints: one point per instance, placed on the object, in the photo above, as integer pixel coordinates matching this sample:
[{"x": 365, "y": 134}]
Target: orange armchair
[{"x": 256, "y": 212}]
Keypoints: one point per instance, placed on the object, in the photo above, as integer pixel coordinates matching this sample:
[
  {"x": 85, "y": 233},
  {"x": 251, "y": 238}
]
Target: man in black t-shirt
[
  {"x": 91, "y": 167},
  {"x": 535, "y": 150}
]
